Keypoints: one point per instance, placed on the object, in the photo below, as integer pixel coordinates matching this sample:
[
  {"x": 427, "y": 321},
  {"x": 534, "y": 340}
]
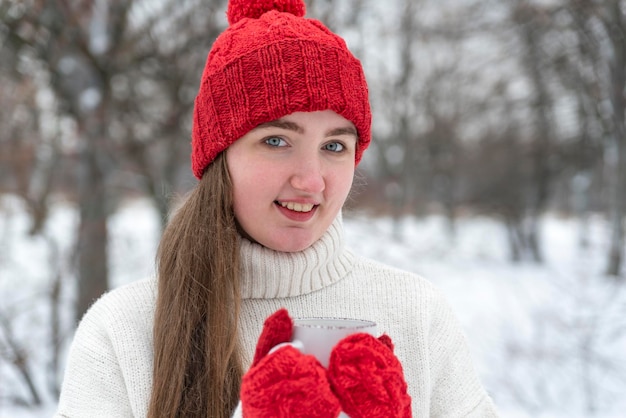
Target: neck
[{"x": 266, "y": 273}]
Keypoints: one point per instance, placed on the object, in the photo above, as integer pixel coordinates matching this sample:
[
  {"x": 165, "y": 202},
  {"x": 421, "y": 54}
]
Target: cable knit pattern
[{"x": 109, "y": 371}]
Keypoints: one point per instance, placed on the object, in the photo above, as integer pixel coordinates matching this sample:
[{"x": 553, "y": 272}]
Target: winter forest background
[{"x": 497, "y": 170}]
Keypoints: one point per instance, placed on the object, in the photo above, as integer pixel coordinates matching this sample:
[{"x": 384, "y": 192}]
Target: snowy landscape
[
  {"x": 548, "y": 340},
  {"x": 506, "y": 108}
]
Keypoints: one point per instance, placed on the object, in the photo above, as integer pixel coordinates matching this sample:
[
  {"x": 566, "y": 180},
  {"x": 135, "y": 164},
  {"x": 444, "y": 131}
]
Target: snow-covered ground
[{"x": 548, "y": 340}]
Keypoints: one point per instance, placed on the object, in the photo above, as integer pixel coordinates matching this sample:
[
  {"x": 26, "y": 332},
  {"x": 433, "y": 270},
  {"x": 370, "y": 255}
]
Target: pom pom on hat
[
  {"x": 269, "y": 63},
  {"x": 239, "y": 9}
]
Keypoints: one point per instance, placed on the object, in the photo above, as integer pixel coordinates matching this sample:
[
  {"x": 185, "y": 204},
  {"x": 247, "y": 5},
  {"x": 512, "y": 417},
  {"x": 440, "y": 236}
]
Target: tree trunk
[
  {"x": 534, "y": 245},
  {"x": 616, "y": 28},
  {"x": 616, "y": 247},
  {"x": 92, "y": 233},
  {"x": 514, "y": 238},
  {"x": 541, "y": 146}
]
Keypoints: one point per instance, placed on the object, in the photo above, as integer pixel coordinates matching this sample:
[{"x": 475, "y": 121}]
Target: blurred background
[{"x": 497, "y": 170}]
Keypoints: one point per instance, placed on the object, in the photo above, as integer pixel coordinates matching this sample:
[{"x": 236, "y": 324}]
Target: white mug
[{"x": 318, "y": 336}]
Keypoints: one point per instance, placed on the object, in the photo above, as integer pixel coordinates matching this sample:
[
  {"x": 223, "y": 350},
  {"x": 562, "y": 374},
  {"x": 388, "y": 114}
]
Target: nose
[{"x": 308, "y": 175}]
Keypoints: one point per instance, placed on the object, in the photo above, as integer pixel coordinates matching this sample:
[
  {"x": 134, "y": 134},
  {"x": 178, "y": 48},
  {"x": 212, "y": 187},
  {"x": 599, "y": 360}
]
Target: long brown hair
[{"x": 197, "y": 366}]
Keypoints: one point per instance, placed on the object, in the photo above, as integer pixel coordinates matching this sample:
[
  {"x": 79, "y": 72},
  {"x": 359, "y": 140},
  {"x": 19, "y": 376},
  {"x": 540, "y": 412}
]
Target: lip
[{"x": 296, "y": 216}]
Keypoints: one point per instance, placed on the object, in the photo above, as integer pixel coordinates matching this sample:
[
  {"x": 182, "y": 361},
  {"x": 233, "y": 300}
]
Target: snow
[{"x": 548, "y": 340}]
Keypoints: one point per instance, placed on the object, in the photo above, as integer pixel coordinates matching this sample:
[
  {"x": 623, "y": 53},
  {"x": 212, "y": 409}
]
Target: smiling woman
[
  {"x": 310, "y": 156},
  {"x": 281, "y": 119}
]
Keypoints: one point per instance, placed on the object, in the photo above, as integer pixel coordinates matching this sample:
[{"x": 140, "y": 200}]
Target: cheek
[
  {"x": 240, "y": 185},
  {"x": 253, "y": 187},
  {"x": 245, "y": 209},
  {"x": 245, "y": 188},
  {"x": 341, "y": 183}
]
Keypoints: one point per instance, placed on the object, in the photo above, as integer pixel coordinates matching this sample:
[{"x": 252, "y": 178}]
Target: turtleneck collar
[{"x": 267, "y": 274}]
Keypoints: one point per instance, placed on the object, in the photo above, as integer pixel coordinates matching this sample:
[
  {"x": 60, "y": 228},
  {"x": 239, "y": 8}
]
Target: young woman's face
[{"x": 291, "y": 177}]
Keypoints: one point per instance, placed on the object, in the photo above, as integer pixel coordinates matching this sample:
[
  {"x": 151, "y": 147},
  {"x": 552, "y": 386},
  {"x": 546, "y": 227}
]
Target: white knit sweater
[{"x": 109, "y": 370}]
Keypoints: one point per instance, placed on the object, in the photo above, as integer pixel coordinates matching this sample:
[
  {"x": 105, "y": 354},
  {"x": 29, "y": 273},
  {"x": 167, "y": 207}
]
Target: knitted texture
[
  {"x": 238, "y": 9},
  {"x": 367, "y": 378},
  {"x": 278, "y": 328},
  {"x": 288, "y": 384},
  {"x": 269, "y": 63}
]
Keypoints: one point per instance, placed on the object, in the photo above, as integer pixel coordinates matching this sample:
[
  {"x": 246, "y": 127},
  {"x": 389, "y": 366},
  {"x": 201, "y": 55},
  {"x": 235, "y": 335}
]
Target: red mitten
[
  {"x": 367, "y": 378},
  {"x": 277, "y": 329},
  {"x": 285, "y": 383}
]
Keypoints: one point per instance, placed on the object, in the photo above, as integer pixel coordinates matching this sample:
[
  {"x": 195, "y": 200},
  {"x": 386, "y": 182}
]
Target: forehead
[{"x": 301, "y": 122}]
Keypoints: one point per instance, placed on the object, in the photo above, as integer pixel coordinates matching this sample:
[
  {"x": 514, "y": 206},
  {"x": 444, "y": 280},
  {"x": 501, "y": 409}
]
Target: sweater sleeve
[
  {"x": 456, "y": 389},
  {"x": 93, "y": 385}
]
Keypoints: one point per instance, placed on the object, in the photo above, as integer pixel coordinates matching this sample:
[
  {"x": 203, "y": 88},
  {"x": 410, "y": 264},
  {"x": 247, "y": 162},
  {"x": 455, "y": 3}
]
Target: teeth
[{"x": 298, "y": 207}]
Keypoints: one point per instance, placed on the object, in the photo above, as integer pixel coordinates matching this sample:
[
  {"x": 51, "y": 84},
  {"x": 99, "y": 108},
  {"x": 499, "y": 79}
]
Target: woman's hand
[
  {"x": 367, "y": 378},
  {"x": 364, "y": 378},
  {"x": 285, "y": 382}
]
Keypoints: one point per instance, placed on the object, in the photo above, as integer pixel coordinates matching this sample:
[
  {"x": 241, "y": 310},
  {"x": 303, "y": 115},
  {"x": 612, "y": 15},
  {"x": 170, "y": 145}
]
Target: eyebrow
[
  {"x": 292, "y": 126},
  {"x": 283, "y": 124},
  {"x": 348, "y": 130}
]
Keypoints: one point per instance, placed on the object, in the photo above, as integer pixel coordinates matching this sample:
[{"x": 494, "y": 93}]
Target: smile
[{"x": 297, "y": 207}]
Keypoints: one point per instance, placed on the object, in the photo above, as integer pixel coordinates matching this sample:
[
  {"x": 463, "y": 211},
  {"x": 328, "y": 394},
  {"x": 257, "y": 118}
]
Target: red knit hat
[{"x": 269, "y": 63}]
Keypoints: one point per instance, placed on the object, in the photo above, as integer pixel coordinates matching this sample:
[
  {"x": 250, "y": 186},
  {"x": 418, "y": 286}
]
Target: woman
[{"x": 280, "y": 121}]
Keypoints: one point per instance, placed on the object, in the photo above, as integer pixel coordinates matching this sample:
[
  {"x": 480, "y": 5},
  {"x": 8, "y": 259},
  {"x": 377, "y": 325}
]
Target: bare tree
[
  {"x": 614, "y": 20},
  {"x": 531, "y": 21},
  {"x": 51, "y": 35},
  {"x": 594, "y": 72},
  {"x": 120, "y": 80},
  {"x": 400, "y": 151},
  {"x": 434, "y": 95},
  {"x": 497, "y": 168},
  {"x": 154, "y": 94},
  {"x": 580, "y": 66},
  {"x": 125, "y": 74},
  {"x": 15, "y": 353},
  {"x": 30, "y": 149}
]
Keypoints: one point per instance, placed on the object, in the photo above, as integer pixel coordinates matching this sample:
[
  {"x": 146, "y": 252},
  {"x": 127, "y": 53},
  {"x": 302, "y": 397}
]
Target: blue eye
[
  {"x": 275, "y": 141},
  {"x": 334, "y": 147}
]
